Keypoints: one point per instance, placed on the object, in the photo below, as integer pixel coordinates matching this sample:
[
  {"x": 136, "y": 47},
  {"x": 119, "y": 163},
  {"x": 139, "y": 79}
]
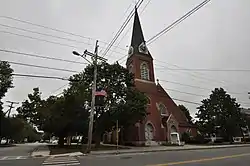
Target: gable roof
[{"x": 158, "y": 90}]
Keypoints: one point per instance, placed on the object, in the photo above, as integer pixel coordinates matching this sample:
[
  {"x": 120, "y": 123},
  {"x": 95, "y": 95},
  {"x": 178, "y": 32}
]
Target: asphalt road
[
  {"x": 18, "y": 150},
  {"x": 215, "y": 157}
]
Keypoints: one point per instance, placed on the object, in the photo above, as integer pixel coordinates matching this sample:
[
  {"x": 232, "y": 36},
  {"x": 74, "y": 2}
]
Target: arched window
[
  {"x": 144, "y": 71},
  {"x": 149, "y": 132},
  {"x": 163, "y": 109},
  {"x": 149, "y": 101},
  {"x": 130, "y": 68}
]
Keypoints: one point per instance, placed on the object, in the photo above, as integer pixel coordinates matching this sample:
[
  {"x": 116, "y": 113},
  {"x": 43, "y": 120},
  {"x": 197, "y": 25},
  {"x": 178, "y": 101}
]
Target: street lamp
[
  {"x": 83, "y": 55},
  {"x": 76, "y": 53}
]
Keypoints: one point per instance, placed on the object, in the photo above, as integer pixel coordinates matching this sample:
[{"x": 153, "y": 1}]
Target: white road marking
[
  {"x": 3, "y": 158},
  {"x": 14, "y": 157},
  {"x": 61, "y": 161}
]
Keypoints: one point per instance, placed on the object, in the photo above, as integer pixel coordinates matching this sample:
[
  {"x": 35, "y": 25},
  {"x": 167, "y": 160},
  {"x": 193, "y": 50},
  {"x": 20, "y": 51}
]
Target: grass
[
  {"x": 55, "y": 149},
  {"x": 6, "y": 145}
]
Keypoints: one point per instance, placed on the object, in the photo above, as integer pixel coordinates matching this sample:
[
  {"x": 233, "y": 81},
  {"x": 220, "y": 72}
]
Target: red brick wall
[{"x": 157, "y": 95}]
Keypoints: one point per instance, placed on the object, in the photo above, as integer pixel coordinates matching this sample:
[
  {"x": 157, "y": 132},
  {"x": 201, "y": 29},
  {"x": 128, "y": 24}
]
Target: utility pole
[
  {"x": 10, "y": 107},
  {"x": 94, "y": 56}
]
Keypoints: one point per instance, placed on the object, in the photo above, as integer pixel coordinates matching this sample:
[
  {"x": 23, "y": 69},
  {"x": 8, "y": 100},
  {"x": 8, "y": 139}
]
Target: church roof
[
  {"x": 137, "y": 34},
  {"x": 159, "y": 93}
]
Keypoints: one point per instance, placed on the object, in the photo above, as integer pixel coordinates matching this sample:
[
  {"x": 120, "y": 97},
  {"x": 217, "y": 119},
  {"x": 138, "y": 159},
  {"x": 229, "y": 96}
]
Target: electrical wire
[
  {"x": 128, "y": 30},
  {"x": 196, "y": 87},
  {"x": 186, "y": 101},
  {"x": 45, "y": 27},
  {"x": 54, "y": 29},
  {"x": 121, "y": 29},
  {"x": 198, "y": 75},
  {"x": 171, "y": 26},
  {"x": 42, "y": 57},
  {"x": 34, "y": 38},
  {"x": 44, "y": 34},
  {"x": 42, "y": 67},
  {"x": 39, "y": 76},
  {"x": 211, "y": 70},
  {"x": 188, "y": 93},
  {"x": 54, "y": 91},
  {"x": 66, "y": 79},
  {"x": 175, "y": 23}
]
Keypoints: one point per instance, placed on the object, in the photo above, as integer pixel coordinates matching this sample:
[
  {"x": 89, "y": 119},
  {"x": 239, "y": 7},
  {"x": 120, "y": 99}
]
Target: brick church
[{"x": 165, "y": 117}]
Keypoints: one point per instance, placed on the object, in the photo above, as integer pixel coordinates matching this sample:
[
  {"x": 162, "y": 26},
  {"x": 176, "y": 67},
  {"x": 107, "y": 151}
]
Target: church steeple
[
  {"x": 138, "y": 44},
  {"x": 139, "y": 61}
]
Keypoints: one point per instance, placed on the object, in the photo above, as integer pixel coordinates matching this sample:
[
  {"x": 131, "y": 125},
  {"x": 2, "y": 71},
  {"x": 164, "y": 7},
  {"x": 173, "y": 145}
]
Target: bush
[
  {"x": 199, "y": 139},
  {"x": 185, "y": 137}
]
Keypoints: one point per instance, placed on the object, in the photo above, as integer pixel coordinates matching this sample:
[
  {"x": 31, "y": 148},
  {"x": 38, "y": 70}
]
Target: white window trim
[
  {"x": 166, "y": 112},
  {"x": 146, "y": 72}
]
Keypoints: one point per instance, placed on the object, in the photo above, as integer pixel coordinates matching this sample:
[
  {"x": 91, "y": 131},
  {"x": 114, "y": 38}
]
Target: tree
[
  {"x": 11, "y": 127},
  {"x": 60, "y": 116},
  {"x": 5, "y": 78},
  {"x": 5, "y": 83},
  {"x": 220, "y": 113},
  {"x": 187, "y": 113},
  {"x": 124, "y": 103},
  {"x": 65, "y": 116},
  {"x": 29, "y": 108}
]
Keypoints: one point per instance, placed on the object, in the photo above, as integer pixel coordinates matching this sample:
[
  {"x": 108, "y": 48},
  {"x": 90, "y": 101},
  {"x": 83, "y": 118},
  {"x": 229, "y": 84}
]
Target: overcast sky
[{"x": 217, "y": 36}]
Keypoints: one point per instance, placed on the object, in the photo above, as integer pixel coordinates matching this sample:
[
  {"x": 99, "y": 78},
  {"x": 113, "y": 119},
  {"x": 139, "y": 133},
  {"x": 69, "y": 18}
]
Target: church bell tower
[{"x": 139, "y": 61}]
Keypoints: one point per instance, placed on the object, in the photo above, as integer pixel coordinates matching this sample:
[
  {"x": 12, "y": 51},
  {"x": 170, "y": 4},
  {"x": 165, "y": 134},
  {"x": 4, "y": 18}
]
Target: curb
[
  {"x": 165, "y": 150},
  {"x": 141, "y": 151}
]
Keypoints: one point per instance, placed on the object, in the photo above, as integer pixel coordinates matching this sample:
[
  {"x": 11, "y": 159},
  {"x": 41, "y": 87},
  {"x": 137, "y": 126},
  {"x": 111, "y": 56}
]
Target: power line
[
  {"x": 42, "y": 67},
  {"x": 34, "y": 38},
  {"x": 196, "y": 87},
  {"x": 39, "y": 76},
  {"x": 196, "y": 74},
  {"x": 42, "y": 57},
  {"x": 121, "y": 28},
  {"x": 175, "y": 23},
  {"x": 208, "y": 70},
  {"x": 66, "y": 79},
  {"x": 57, "y": 89},
  {"x": 128, "y": 30},
  {"x": 186, "y": 101},
  {"x": 188, "y": 93},
  {"x": 171, "y": 26},
  {"x": 114, "y": 32},
  {"x": 44, "y": 34},
  {"x": 54, "y": 29},
  {"x": 45, "y": 27}
]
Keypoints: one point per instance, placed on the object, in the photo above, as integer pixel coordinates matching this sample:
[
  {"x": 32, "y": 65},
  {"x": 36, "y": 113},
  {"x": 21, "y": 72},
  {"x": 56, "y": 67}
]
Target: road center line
[{"x": 203, "y": 160}]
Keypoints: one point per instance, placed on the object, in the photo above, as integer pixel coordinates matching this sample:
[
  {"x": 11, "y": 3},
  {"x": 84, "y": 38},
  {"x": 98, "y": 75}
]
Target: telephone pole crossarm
[{"x": 10, "y": 107}]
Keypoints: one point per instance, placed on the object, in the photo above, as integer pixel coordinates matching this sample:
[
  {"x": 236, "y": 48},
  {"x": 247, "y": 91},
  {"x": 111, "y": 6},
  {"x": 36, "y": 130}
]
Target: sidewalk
[
  {"x": 165, "y": 148},
  {"x": 41, "y": 151},
  {"x": 44, "y": 151}
]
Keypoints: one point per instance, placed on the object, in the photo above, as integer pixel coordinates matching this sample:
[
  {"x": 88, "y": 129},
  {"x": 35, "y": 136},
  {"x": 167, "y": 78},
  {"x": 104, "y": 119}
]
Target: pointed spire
[
  {"x": 137, "y": 34},
  {"x": 138, "y": 44}
]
